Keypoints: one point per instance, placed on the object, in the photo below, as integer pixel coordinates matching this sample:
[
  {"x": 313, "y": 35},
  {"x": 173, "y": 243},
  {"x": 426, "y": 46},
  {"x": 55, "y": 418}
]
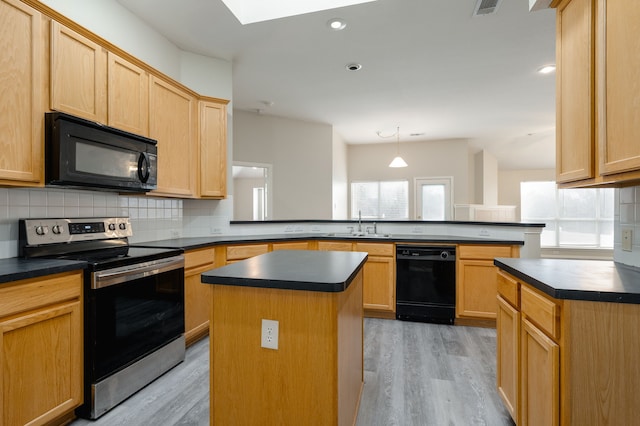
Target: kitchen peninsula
[{"x": 304, "y": 365}]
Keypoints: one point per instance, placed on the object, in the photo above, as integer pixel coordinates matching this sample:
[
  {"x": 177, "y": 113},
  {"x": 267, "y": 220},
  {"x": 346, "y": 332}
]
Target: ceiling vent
[{"x": 486, "y": 7}]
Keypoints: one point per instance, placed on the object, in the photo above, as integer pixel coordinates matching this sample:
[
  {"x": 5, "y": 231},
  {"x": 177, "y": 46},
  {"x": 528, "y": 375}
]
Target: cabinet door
[
  {"x": 618, "y": 79},
  {"x": 197, "y": 302},
  {"x": 78, "y": 75},
  {"x": 41, "y": 353},
  {"x": 22, "y": 85},
  {"x": 540, "y": 383},
  {"x": 235, "y": 253},
  {"x": 477, "y": 289},
  {"x": 508, "y": 350},
  {"x": 575, "y": 124},
  {"x": 171, "y": 124},
  {"x": 379, "y": 284},
  {"x": 128, "y": 96},
  {"x": 213, "y": 149}
]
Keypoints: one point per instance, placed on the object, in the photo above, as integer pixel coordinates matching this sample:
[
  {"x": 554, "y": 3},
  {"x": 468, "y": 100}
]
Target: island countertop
[
  {"x": 591, "y": 280},
  {"x": 325, "y": 271}
]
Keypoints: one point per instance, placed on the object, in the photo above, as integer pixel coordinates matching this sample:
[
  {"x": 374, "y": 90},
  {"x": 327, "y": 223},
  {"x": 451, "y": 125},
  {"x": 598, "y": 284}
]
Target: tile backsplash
[
  {"x": 151, "y": 218},
  {"x": 627, "y": 216}
]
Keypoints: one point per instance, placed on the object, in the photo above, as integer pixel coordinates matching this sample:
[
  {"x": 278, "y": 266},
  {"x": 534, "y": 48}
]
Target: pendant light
[{"x": 398, "y": 161}]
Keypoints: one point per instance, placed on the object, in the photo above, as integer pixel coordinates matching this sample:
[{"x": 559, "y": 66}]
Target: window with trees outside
[
  {"x": 577, "y": 218},
  {"x": 380, "y": 200}
]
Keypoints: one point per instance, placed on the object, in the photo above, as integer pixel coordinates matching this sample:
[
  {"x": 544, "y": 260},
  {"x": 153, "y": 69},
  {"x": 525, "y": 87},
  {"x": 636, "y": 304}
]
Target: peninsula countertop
[
  {"x": 591, "y": 280},
  {"x": 323, "y": 271}
]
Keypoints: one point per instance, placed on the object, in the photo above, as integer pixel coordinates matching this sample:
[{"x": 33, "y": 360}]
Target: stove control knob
[
  {"x": 41, "y": 230},
  {"x": 57, "y": 229},
  {"x": 112, "y": 227},
  {"x": 123, "y": 226}
]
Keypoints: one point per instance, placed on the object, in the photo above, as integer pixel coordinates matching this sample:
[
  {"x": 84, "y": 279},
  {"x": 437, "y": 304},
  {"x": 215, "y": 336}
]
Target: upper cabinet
[
  {"x": 598, "y": 92},
  {"x": 23, "y": 87},
  {"x": 78, "y": 74},
  {"x": 171, "y": 123},
  {"x": 213, "y": 149},
  {"x": 128, "y": 96}
]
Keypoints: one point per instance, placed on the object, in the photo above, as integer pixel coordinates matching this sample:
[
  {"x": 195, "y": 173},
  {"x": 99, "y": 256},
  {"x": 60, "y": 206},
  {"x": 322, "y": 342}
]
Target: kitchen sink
[{"x": 357, "y": 235}]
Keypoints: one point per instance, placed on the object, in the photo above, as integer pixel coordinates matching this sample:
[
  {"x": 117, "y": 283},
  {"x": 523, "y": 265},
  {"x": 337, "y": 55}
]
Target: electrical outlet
[
  {"x": 288, "y": 228},
  {"x": 269, "y": 338},
  {"x": 417, "y": 230},
  {"x": 627, "y": 239}
]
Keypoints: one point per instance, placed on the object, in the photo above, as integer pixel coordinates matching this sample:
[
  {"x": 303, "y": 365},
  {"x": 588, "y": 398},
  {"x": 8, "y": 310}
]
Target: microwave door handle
[{"x": 144, "y": 166}]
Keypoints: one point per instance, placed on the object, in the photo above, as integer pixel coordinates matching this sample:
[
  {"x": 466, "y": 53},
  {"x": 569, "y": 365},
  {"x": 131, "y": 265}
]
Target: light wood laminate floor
[{"x": 415, "y": 374}]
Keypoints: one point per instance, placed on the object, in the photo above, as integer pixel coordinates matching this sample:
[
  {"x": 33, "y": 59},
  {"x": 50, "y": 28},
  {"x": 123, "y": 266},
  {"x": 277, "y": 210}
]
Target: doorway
[
  {"x": 251, "y": 191},
  {"x": 433, "y": 198}
]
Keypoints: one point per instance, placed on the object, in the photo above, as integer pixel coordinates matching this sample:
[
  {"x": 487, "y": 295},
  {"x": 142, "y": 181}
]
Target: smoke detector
[{"x": 486, "y": 7}]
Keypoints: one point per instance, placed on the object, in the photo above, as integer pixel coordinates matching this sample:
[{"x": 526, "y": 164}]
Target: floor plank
[{"x": 415, "y": 374}]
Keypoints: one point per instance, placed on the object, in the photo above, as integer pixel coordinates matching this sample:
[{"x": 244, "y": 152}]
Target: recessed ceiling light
[
  {"x": 337, "y": 24},
  {"x": 354, "y": 67},
  {"x": 546, "y": 69}
]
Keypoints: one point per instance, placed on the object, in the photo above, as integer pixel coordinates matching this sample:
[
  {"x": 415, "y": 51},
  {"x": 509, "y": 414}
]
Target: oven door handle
[{"x": 114, "y": 276}]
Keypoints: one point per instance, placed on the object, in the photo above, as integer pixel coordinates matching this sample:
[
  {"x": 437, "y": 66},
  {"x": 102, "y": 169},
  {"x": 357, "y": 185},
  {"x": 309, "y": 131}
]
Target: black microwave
[{"x": 84, "y": 154}]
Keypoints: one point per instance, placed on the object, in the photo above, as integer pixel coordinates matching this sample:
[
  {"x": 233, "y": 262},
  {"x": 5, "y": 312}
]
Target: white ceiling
[{"x": 428, "y": 66}]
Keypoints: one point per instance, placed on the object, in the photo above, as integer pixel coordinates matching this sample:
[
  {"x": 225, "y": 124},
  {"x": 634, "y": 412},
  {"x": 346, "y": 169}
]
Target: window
[
  {"x": 380, "y": 200},
  {"x": 574, "y": 217}
]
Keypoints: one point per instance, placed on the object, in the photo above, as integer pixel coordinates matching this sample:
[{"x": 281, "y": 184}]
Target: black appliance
[
  {"x": 133, "y": 304},
  {"x": 426, "y": 283},
  {"x": 83, "y": 154}
]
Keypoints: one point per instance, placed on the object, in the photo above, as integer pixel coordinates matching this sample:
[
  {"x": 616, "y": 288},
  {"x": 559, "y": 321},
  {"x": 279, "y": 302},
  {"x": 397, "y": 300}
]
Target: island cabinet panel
[
  {"x": 197, "y": 298},
  {"x": 314, "y": 377},
  {"x": 78, "y": 74},
  {"x": 213, "y": 149},
  {"x": 23, "y": 73},
  {"x": 508, "y": 355},
  {"x": 171, "y": 123},
  {"x": 41, "y": 347},
  {"x": 477, "y": 281},
  {"x": 128, "y": 96}
]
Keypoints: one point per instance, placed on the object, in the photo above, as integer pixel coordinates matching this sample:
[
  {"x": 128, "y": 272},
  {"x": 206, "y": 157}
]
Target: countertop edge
[{"x": 23, "y": 269}]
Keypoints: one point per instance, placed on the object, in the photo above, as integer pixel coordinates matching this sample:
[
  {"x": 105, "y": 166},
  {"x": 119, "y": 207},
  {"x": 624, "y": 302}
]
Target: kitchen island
[
  {"x": 568, "y": 342},
  {"x": 313, "y": 375}
]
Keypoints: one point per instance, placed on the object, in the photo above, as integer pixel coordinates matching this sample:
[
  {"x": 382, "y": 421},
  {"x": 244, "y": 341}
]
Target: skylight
[{"x": 250, "y": 11}]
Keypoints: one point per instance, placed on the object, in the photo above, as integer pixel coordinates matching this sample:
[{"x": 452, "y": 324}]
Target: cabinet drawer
[
  {"x": 201, "y": 257},
  {"x": 335, "y": 245},
  {"x": 483, "y": 251},
  {"x": 508, "y": 288},
  {"x": 25, "y": 295},
  {"x": 244, "y": 252},
  {"x": 297, "y": 245},
  {"x": 375, "y": 249},
  {"x": 544, "y": 312}
]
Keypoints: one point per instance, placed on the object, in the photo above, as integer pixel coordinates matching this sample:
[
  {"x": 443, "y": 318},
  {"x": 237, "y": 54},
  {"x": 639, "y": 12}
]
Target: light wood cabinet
[
  {"x": 78, "y": 74},
  {"x": 508, "y": 356},
  {"x": 293, "y": 245},
  {"x": 245, "y": 251},
  {"x": 128, "y": 95},
  {"x": 335, "y": 245},
  {"x": 598, "y": 58},
  {"x": 379, "y": 286},
  {"x": 23, "y": 86},
  {"x": 197, "y": 298},
  {"x": 41, "y": 347},
  {"x": 476, "y": 280},
  {"x": 171, "y": 123},
  {"x": 213, "y": 149}
]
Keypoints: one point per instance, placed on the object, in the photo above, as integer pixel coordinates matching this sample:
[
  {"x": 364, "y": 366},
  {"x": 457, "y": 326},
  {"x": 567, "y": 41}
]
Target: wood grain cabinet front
[
  {"x": 197, "y": 298},
  {"x": 23, "y": 74},
  {"x": 41, "y": 347},
  {"x": 213, "y": 149},
  {"x": 379, "y": 284},
  {"x": 128, "y": 96}
]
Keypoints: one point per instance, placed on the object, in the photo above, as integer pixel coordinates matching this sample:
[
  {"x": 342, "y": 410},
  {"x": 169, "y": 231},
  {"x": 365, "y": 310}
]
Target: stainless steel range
[{"x": 133, "y": 303}]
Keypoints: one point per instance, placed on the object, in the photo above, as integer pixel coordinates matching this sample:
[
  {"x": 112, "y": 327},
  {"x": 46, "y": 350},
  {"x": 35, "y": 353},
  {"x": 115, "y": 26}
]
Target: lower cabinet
[
  {"x": 41, "y": 346},
  {"x": 379, "y": 284},
  {"x": 244, "y": 251},
  {"x": 197, "y": 299},
  {"x": 508, "y": 355},
  {"x": 476, "y": 281}
]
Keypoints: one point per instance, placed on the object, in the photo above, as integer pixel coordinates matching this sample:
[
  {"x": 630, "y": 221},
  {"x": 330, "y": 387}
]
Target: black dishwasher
[{"x": 426, "y": 283}]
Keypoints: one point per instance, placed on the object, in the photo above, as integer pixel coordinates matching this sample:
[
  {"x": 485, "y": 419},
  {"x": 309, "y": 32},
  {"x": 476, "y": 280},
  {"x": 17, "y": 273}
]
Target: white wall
[
  {"x": 424, "y": 159},
  {"x": 486, "y": 178},
  {"x": 301, "y": 155},
  {"x": 243, "y": 197},
  {"x": 509, "y": 184},
  {"x": 340, "y": 178}
]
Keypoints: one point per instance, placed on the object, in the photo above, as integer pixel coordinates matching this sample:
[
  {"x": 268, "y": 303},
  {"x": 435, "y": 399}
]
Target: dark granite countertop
[
  {"x": 592, "y": 280},
  {"x": 15, "y": 268},
  {"x": 200, "y": 242},
  {"x": 325, "y": 271}
]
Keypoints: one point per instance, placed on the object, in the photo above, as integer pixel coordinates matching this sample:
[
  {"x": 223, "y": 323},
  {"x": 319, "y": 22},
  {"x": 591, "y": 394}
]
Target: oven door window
[{"x": 134, "y": 318}]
